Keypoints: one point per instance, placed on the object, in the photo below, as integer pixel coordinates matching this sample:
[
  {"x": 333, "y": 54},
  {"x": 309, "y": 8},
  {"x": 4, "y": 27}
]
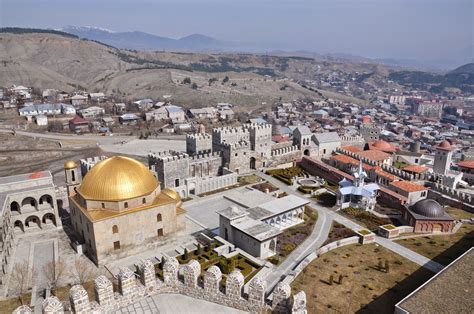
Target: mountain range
[{"x": 136, "y": 40}]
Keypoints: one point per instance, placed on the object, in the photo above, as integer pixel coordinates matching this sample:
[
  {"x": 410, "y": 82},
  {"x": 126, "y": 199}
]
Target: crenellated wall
[{"x": 131, "y": 290}]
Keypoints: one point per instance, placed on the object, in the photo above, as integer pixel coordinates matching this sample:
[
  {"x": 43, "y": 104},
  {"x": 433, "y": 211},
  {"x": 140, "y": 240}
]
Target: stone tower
[
  {"x": 199, "y": 143},
  {"x": 260, "y": 139},
  {"x": 443, "y": 157},
  {"x": 73, "y": 177}
]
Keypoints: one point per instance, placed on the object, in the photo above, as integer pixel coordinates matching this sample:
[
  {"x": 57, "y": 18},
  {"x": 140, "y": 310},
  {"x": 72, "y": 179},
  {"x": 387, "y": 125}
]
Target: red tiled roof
[
  {"x": 78, "y": 120},
  {"x": 466, "y": 164},
  {"x": 345, "y": 159},
  {"x": 280, "y": 138},
  {"x": 36, "y": 175},
  {"x": 382, "y": 173},
  {"x": 445, "y": 145},
  {"x": 375, "y": 155},
  {"x": 383, "y": 146},
  {"x": 353, "y": 149},
  {"x": 415, "y": 168},
  {"x": 408, "y": 186}
]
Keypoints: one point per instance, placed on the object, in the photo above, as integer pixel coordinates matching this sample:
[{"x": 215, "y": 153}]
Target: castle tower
[
  {"x": 443, "y": 157},
  {"x": 73, "y": 178},
  {"x": 199, "y": 143},
  {"x": 260, "y": 139}
]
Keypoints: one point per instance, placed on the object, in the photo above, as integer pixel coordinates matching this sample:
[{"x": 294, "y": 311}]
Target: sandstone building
[{"x": 119, "y": 206}]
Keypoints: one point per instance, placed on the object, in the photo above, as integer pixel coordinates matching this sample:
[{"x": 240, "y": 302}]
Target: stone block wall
[{"x": 130, "y": 291}]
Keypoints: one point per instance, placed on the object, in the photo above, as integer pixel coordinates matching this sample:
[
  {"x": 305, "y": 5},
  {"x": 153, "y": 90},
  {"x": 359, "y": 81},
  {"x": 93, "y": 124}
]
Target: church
[{"x": 119, "y": 206}]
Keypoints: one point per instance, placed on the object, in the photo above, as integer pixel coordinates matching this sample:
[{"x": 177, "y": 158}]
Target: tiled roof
[
  {"x": 345, "y": 159},
  {"x": 382, "y": 173},
  {"x": 466, "y": 164},
  {"x": 353, "y": 149},
  {"x": 375, "y": 155},
  {"x": 415, "y": 168},
  {"x": 408, "y": 186}
]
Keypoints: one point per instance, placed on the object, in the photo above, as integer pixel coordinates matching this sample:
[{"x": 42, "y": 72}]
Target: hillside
[
  {"x": 461, "y": 78},
  {"x": 54, "y": 61}
]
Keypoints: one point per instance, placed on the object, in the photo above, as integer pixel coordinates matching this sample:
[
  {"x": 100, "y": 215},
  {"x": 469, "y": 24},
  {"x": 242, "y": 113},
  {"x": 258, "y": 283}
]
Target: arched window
[
  {"x": 73, "y": 175},
  {"x": 143, "y": 200},
  {"x": 158, "y": 217},
  {"x": 126, "y": 204},
  {"x": 115, "y": 229},
  {"x": 103, "y": 205}
]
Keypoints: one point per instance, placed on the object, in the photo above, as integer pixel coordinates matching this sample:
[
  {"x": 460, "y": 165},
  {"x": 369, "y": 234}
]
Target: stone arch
[
  {"x": 115, "y": 229},
  {"x": 159, "y": 218},
  {"x": 49, "y": 218},
  {"x": 29, "y": 203},
  {"x": 15, "y": 207},
  {"x": 273, "y": 245},
  {"x": 306, "y": 152},
  {"x": 181, "y": 194},
  {"x": 31, "y": 221},
  {"x": 18, "y": 224},
  {"x": 46, "y": 199}
]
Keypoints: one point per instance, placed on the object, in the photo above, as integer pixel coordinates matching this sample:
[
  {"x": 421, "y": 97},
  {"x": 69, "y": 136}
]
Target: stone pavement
[{"x": 176, "y": 304}]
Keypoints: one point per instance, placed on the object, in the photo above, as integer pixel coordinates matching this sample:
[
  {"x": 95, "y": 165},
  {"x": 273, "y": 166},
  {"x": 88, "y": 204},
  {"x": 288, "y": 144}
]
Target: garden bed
[
  {"x": 286, "y": 175},
  {"x": 338, "y": 232},
  {"x": 367, "y": 219},
  {"x": 294, "y": 236}
]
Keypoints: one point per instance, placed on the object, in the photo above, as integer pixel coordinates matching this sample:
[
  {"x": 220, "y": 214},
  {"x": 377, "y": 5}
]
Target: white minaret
[{"x": 443, "y": 158}]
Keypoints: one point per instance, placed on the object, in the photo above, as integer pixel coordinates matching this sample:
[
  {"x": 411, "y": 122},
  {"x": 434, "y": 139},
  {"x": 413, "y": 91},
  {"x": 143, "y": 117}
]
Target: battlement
[
  {"x": 167, "y": 156},
  {"x": 239, "y": 145},
  {"x": 256, "y": 126},
  {"x": 131, "y": 291},
  {"x": 87, "y": 163},
  {"x": 285, "y": 150},
  {"x": 352, "y": 140},
  {"x": 230, "y": 130},
  {"x": 198, "y": 136},
  {"x": 206, "y": 156}
]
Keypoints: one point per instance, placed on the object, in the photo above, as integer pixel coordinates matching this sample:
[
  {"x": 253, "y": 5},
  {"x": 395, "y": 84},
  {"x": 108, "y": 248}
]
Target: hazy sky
[{"x": 409, "y": 29}]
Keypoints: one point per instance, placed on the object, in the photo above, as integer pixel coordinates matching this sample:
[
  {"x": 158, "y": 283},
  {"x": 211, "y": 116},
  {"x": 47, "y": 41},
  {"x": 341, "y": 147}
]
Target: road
[
  {"x": 320, "y": 233},
  {"x": 124, "y": 144}
]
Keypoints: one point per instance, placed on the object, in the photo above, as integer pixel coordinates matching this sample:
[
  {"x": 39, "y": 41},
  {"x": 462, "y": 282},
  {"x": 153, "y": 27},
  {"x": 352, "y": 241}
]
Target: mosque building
[
  {"x": 119, "y": 206},
  {"x": 427, "y": 216}
]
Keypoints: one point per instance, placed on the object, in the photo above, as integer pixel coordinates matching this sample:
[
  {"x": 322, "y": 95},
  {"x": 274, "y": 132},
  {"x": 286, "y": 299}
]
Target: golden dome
[
  {"x": 117, "y": 178},
  {"x": 173, "y": 194},
  {"x": 70, "y": 164}
]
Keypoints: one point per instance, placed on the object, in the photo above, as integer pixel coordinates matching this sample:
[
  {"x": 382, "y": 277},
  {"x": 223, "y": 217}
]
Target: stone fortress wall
[{"x": 177, "y": 279}]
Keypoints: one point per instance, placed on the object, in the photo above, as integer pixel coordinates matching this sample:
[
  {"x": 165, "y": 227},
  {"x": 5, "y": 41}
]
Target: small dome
[
  {"x": 384, "y": 146},
  {"x": 445, "y": 145},
  {"x": 173, "y": 194},
  {"x": 428, "y": 208},
  {"x": 70, "y": 164}
]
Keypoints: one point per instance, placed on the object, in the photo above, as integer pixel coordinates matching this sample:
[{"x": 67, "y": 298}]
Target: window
[
  {"x": 117, "y": 245},
  {"x": 143, "y": 200},
  {"x": 103, "y": 205},
  {"x": 160, "y": 232},
  {"x": 114, "y": 229},
  {"x": 73, "y": 175},
  {"x": 158, "y": 217},
  {"x": 126, "y": 204},
  {"x": 176, "y": 182}
]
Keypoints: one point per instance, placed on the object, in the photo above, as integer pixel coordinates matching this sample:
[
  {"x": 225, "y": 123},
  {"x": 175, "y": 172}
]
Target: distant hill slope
[
  {"x": 48, "y": 60},
  {"x": 461, "y": 78},
  {"x": 144, "y": 41}
]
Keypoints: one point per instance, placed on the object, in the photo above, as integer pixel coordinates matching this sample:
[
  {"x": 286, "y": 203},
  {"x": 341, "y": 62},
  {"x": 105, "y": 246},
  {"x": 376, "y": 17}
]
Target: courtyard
[{"x": 355, "y": 278}]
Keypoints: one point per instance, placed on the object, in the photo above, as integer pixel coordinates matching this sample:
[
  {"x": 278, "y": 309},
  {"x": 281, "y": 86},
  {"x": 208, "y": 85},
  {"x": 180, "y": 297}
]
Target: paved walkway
[
  {"x": 175, "y": 304},
  {"x": 319, "y": 235}
]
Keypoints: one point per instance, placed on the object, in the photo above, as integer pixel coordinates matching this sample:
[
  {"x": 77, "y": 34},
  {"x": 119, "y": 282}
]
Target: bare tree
[
  {"x": 54, "y": 271},
  {"x": 82, "y": 271},
  {"x": 19, "y": 280}
]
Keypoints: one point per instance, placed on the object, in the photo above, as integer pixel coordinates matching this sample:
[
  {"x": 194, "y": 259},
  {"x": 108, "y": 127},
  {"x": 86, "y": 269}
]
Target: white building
[
  {"x": 41, "y": 120},
  {"x": 255, "y": 229},
  {"x": 78, "y": 100},
  {"x": 357, "y": 194}
]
